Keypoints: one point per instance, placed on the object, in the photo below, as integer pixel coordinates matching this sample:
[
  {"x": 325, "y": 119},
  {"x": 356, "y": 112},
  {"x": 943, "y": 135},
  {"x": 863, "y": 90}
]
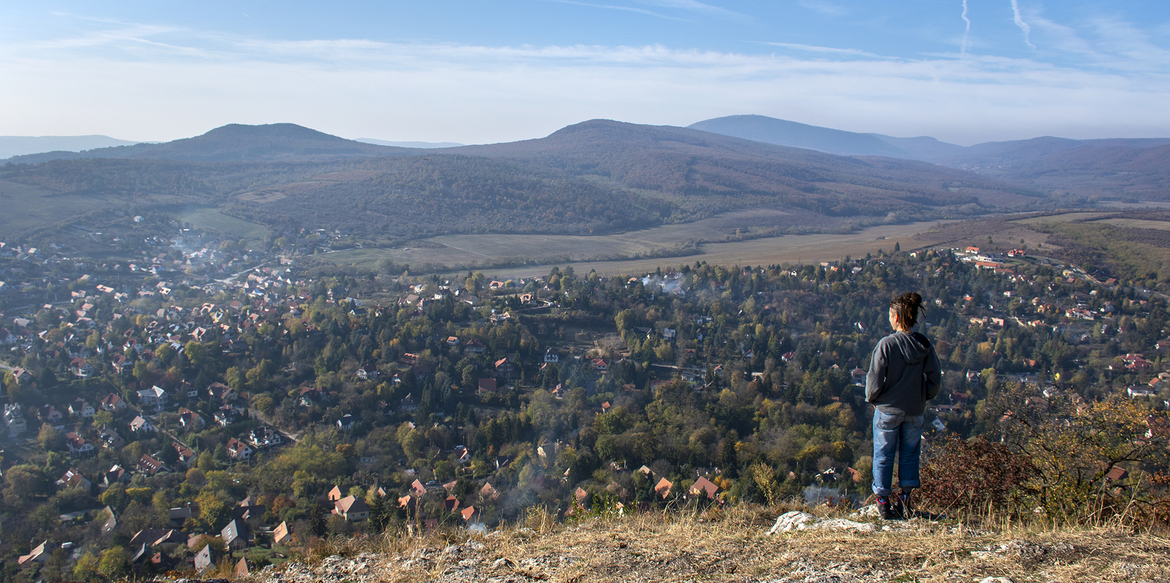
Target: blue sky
[{"x": 474, "y": 71}]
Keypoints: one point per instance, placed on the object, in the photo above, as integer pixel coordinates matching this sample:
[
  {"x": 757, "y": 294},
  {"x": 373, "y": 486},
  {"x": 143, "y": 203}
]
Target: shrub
[{"x": 976, "y": 476}]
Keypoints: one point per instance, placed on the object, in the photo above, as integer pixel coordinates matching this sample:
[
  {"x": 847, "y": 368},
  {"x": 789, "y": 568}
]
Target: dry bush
[{"x": 976, "y": 477}]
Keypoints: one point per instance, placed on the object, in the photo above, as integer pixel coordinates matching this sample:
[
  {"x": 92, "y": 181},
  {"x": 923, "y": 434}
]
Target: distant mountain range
[
  {"x": 592, "y": 177},
  {"x": 423, "y": 145},
  {"x": 1011, "y": 153},
  {"x": 22, "y": 145}
]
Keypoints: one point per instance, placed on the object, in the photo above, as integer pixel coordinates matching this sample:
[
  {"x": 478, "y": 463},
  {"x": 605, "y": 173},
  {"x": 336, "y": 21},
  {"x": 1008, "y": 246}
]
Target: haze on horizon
[{"x": 963, "y": 71}]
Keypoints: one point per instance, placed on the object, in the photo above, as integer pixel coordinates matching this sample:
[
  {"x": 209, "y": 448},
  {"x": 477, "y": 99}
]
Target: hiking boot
[
  {"x": 886, "y": 508},
  {"x": 903, "y": 506}
]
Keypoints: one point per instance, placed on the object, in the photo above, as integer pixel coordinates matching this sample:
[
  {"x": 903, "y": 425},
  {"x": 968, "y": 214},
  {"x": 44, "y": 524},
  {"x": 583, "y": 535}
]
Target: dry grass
[{"x": 732, "y": 545}]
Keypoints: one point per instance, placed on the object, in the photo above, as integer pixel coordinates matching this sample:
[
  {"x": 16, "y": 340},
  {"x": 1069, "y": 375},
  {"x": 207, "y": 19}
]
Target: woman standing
[{"x": 903, "y": 376}]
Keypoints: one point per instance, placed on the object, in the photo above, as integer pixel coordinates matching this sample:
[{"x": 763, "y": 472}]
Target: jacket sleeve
[
  {"x": 875, "y": 380},
  {"x": 932, "y": 380}
]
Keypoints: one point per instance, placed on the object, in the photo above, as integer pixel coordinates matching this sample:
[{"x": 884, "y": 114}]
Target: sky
[{"x": 476, "y": 71}]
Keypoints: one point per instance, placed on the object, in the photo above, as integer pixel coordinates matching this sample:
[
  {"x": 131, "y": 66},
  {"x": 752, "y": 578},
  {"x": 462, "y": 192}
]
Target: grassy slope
[{"x": 733, "y": 546}]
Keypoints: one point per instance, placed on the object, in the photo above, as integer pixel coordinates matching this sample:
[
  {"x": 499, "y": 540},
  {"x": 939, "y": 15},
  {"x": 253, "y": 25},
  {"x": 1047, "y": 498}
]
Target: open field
[
  {"x": 1138, "y": 224},
  {"x": 210, "y": 218},
  {"x": 1064, "y": 218},
  {"x": 548, "y": 250}
]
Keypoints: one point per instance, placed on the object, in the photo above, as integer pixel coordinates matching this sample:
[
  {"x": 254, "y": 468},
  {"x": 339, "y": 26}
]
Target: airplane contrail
[
  {"x": 1020, "y": 23},
  {"x": 968, "y": 31}
]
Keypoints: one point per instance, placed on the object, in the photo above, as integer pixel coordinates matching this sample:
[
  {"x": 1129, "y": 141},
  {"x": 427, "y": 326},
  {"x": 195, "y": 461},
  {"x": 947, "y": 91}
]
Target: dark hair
[{"x": 907, "y": 306}]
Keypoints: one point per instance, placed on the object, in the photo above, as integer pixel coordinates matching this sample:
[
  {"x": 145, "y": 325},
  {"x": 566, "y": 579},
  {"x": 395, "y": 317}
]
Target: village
[{"x": 158, "y": 418}]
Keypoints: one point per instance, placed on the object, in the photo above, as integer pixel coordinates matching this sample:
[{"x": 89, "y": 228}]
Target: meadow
[{"x": 633, "y": 251}]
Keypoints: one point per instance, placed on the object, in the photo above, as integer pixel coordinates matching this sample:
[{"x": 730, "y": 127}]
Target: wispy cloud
[
  {"x": 967, "y": 32},
  {"x": 825, "y": 7},
  {"x": 633, "y": 9},
  {"x": 146, "y": 82},
  {"x": 826, "y": 50},
  {"x": 1021, "y": 24}
]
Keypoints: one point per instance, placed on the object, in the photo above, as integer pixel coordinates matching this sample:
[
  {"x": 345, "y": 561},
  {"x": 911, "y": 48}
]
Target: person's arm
[
  {"x": 875, "y": 380},
  {"x": 931, "y": 374}
]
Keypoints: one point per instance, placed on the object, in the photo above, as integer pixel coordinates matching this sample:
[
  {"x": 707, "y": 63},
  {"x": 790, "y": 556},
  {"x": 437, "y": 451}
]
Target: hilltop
[
  {"x": 283, "y": 142},
  {"x": 735, "y": 546}
]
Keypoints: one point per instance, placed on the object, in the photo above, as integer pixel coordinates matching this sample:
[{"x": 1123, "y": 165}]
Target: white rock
[
  {"x": 840, "y": 524},
  {"x": 790, "y": 521},
  {"x": 997, "y": 580}
]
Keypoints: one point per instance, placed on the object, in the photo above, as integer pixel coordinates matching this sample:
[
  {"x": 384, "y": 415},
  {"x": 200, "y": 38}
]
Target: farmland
[{"x": 534, "y": 253}]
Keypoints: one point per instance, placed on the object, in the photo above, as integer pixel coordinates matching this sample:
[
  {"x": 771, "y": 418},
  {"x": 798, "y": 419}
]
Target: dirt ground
[{"x": 735, "y": 546}]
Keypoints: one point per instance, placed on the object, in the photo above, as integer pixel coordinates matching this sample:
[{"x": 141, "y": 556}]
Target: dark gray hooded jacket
[{"x": 903, "y": 374}]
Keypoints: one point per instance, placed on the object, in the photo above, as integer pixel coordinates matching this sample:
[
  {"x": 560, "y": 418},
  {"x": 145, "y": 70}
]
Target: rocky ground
[{"x": 747, "y": 546}]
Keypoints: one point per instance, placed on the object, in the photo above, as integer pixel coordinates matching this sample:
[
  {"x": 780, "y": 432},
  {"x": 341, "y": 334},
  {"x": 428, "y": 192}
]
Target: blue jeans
[{"x": 901, "y": 434}]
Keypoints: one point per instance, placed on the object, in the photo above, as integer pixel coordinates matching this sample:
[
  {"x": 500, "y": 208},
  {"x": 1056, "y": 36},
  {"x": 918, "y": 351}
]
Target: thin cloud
[
  {"x": 826, "y": 50},
  {"x": 475, "y": 93},
  {"x": 695, "y": 6},
  {"x": 1021, "y": 24},
  {"x": 967, "y": 32},
  {"x": 824, "y": 7},
  {"x": 642, "y": 11}
]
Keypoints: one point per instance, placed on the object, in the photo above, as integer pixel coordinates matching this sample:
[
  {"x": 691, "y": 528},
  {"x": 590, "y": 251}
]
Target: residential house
[
  {"x": 121, "y": 364},
  {"x": 205, "y": 559},
  {"x": 154, "y": 397},
  {"x": 186, "y": 455},
  {"x": 40, "y": 554},
  {"x": 238, "y": 450},
  {"x": 281, "y": 535},
  {"x": 263, "y": 436},
  {"x": 486, "y": 385},
  {"x": 704, "y": 487},
  {"x": 14, "y": 420},
  {"x": 221, "y": 393},
  {"x": 115, "y": 474},
  {"x": 236, "y": 535},
  {"x": 113, "y": 403},
  {"x": 72, "y": 479},
  {"x": 77, "y": 445},
  {"x": 504, "y": 368},
  {"x": 22, "y": 376},
  {"x": 141, "y": 425},
  {"x": 662, "y": 488},
  {"x": 81, "y": 368},
  {"x": 190, "y": 419},
  {"x": 110, "y": 439},
  {"x": 226, "y": 415},
  {"x": 150, "y": 466},
  {"x": 351, "y": 508},
  {"x": 346, "y": 422},
  {"x": 79, "y": 408}
]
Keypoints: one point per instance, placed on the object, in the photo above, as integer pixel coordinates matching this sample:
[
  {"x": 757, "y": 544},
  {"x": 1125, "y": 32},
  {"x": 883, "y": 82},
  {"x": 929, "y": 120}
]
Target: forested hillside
[{"x": 594, "y": 177}]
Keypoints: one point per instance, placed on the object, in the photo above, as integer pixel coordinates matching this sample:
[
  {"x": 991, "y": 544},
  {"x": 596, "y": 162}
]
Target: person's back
[{"x": 903, "y": 376}]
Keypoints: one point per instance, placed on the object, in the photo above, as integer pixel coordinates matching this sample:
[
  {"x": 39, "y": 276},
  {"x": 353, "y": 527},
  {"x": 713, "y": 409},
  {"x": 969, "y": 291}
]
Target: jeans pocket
[
  {"x": 888, "y": 422},
  {"x": 916, "y": 421}
]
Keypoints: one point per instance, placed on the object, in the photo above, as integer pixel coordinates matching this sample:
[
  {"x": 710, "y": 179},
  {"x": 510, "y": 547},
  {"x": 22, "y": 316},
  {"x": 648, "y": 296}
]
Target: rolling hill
[
  {"x": 593, "y": 177},
  {"x": 283, "y": 142},
  {"x": 781, "y": 132}
]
